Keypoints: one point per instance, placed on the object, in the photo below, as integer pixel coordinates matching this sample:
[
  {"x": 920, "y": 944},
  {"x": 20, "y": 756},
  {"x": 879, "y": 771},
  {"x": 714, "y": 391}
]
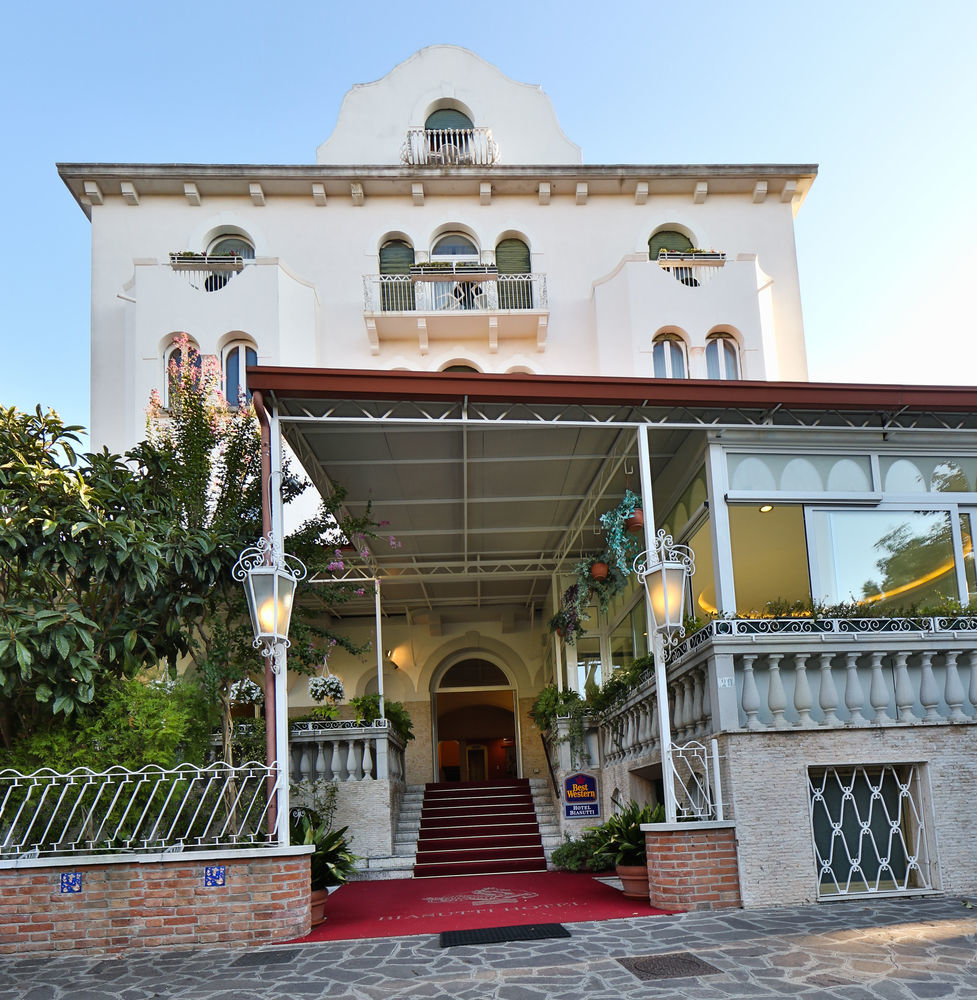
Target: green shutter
[
  {"x": 448, "y": 118},
  {"x": 667, "y": 239},
  {"x": 512, "y": 257},
  {"x": 396, "y": 257}
]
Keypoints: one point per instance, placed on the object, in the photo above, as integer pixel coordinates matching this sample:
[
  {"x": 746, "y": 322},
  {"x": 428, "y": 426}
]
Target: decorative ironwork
[
  {"x": 698, "y": 792},
  {"x": 868, "y": 829},
  {"x": 186, "y": 808},
  {"x": 281, "y": 571},
  {"x": 267, "y": 552},
  {"x": 324, "y": 726}
]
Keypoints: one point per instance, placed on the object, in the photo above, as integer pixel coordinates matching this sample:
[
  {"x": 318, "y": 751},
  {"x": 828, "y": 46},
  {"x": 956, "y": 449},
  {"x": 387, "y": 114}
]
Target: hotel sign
[{"x": 580, "y": 798}]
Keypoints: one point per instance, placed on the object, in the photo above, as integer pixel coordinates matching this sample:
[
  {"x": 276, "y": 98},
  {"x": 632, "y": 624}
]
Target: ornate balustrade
[
  {"x": 449, "y": 147},
  {"x": 345, "y": 751},
  {"x": 780, "y": 674},
  {"x": 485, "y": 291}
]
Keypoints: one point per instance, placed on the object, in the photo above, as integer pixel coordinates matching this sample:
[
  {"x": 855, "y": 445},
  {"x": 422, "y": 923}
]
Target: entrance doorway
[{"x": 475, "y": 723}]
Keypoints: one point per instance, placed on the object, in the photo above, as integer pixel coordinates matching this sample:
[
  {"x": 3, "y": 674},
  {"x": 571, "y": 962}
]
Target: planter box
[{"x": 206, "y": 262}]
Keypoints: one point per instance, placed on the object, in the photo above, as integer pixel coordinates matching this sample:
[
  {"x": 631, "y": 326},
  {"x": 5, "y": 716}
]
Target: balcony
[
  {"x": 460, "y": 302},
  {"x": 449, "y": 147}
]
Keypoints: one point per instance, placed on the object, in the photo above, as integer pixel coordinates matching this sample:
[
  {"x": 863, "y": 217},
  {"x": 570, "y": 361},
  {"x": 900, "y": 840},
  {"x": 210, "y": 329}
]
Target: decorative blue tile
[
  {"x": 71, "y": 881},
  {"x": 214, "y": 875}
]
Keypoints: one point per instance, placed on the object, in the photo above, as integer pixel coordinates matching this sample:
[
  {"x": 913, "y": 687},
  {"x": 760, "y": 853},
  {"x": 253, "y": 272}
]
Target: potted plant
[
  {"x": 597, "y": 579},
  {"x": 331, "y": 862},
  {"x": 621, "y": 843},
  {"x": 622, "y": 532},
  {"x": 567, "y": 623}
]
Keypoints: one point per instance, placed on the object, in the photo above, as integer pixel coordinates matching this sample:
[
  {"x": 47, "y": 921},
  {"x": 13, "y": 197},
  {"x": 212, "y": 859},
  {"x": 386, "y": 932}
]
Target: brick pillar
[{"x": 692, "y": 866}]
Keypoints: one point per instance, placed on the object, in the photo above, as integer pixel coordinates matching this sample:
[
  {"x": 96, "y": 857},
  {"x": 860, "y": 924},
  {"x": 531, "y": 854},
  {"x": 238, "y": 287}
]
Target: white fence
[
  {"x": 344, "y": 751},
  {"x": 449, "y": 147},
  {"x": 457, "y": 292},
  {"x": 150, "y": 810}
]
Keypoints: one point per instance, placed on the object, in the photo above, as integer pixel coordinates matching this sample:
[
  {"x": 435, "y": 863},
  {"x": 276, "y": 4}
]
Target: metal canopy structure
[{"x": 492, "y": 483}]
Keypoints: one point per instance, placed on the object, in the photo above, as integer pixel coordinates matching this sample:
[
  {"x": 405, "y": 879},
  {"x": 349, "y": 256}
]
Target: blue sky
[{"x": 881, "y": 95}]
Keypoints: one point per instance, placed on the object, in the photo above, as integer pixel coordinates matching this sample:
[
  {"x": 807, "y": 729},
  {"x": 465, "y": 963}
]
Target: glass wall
[
  {"x": 892, "y": 558},
  {"x": 769, "y": 556}
]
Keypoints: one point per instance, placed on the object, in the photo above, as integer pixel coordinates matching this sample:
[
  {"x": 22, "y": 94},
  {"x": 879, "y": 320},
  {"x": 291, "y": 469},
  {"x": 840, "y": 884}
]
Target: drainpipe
[{"x": 271, "y": 715}]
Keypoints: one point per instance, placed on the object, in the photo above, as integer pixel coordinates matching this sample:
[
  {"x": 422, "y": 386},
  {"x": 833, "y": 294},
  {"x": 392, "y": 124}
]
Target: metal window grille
[{"x": 868, "y": 827}]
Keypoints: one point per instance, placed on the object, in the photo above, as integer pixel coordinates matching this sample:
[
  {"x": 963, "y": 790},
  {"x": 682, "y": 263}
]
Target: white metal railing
[
  {"x": 449, "y": 147},
  {"x": 185, "y": 808},
  {"x": 697, "y": 781},
  {"x": 486, "y": 292},
  {"x": 344, "y": 751},
  {"x": 692, "y": 270},
  {"x": 211, "y": 272}
]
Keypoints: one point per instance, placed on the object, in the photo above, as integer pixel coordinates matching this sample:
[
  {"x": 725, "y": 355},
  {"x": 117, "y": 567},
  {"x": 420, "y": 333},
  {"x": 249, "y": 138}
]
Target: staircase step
[
  {"x": 529, "y": 839},
  {"x": 492, "y": 867}
]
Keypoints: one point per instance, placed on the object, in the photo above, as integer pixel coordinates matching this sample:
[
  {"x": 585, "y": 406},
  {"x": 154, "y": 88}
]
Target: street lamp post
[
  {"x": 665, "y": 571},
  {"x": 270, "y": 578}
]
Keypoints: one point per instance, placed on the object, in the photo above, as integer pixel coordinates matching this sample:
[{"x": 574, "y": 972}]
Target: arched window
[
  {"x": 721, "y": 357},
  {"x": 237, "y": 357},
  {"x": 461, "y": 369},
  {"x": 449, "y": 136},
  {"x": 173, "y": 361},
  {"x": 514, "y": 264},
  {"x": 227, "y": 244},
  {"x": 454, "y": 247},
  {"x": 396, "y": 290},
  {"x": 668, "y": 355},
  {"x": 672, "y": 239}
]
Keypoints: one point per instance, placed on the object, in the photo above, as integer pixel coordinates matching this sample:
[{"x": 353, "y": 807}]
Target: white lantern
[
  {"x": 269, "y": 579},
  {"x": 664, "y": 572}
]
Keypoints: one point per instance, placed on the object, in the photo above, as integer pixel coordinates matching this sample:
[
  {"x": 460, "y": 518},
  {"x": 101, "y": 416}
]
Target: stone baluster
[
  {"x": 929, "y": 690},
  {"x": 678, "y": 711},
  {"x": 644, "y": 727},
  {"x": 776, "y": 698},
  {"x": 954, "y": 693},
  {"x": 707, "y": 726},
  {"x": 972, "y": 694},
  {"x": 905, "y": 696},
  {"x": 803, "y": 699},
  {"x": 854, "y": 696},
  {"x": 828, "y": 693},
  {"x": 351, "y": 774},
  {"x": 627, "y": 744},
  {"x": 367, "y": 774},
  {"x": 296, "y": 753},
  {"x": 698, "y": 722},
  {"x": 322, "y": 751},
  {"x": 751, "y": 694},
  {"x": 878, "y": 692},
  {"x": 655, "y": 729}
]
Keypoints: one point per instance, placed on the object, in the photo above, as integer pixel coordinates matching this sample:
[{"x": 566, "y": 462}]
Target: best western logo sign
[{"x": 580, "y": 798}]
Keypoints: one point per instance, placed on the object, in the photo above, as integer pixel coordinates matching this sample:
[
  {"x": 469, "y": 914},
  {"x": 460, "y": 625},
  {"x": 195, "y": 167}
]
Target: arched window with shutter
[
  {"x": 722, "y": 357},
  {"x": 514, "y": 264},
  {"x": 449, "y": 136},
  {"x": 672, "y": 239},
  {"x": 396, "y": 290},
  {"x": 668, "y": 356}
]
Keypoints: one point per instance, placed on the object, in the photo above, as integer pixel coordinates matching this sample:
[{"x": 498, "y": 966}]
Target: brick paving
[{"x": 906, "y": 949}]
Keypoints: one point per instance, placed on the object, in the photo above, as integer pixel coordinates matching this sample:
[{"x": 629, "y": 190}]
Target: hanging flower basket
[
  {"x": 635, "y": 522},
  {"x": 599, "y": 570}
]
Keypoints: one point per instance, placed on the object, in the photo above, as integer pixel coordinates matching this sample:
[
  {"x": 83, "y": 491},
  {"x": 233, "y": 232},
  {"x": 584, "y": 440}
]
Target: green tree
[{"x": 96, "y": 572}]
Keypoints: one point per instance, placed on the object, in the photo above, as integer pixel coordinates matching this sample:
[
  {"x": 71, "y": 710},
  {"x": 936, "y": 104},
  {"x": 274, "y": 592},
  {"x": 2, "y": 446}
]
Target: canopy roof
[{"x": 491, "y": 482}]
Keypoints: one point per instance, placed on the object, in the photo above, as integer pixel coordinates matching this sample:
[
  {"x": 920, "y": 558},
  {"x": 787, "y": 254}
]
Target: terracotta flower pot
[
  {"x": 634, "y": 878},
  {"x": 635, "y": 522},
  {"x": 318, "y": 905},
  {"x": 599, "y": 570}
]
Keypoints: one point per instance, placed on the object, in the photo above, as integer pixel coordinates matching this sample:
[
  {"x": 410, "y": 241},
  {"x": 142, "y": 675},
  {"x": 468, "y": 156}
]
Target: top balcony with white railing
[{"x": 449, "y": 147}]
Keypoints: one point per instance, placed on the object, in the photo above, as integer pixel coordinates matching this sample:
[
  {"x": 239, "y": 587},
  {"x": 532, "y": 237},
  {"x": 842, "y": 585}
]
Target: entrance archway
[{"x": 474, "y": 714}]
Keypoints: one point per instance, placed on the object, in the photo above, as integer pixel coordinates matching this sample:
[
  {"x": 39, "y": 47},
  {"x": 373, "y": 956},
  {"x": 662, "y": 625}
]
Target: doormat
[
  {"x": 496, "y": 935},
  {"x": 675, "y": 965},
  {"x": 397, "y": 907}
]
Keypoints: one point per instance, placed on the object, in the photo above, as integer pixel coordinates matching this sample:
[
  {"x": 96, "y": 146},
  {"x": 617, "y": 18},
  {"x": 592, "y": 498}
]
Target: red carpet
[{"x": 431, "y": 905}]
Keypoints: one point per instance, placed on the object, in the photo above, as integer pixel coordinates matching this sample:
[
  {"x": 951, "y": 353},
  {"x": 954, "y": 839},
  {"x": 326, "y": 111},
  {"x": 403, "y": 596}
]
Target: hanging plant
[
  {"x": 568, "y": 621},
  {"x": 597, "y": 580},
  {"x": 622, "y": 532}
]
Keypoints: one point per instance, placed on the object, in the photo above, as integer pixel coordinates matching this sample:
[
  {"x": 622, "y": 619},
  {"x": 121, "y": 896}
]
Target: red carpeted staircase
[{"x": 478, "y": 828}]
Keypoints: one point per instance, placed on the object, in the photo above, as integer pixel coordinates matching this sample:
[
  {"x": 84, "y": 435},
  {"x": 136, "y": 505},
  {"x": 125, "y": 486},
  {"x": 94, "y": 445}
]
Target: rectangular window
[
  {"x": 769, "y": 556},
  {"x": 868, "y": 829},
  {"x": 967, "y": 541},
  {"x": 891, "y": 558}
]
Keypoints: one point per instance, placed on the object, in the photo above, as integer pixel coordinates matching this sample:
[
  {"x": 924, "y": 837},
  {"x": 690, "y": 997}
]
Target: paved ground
[{"x": 909, "y": 948}]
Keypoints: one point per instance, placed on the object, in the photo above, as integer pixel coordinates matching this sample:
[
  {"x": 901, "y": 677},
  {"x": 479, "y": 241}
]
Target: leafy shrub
[
  {"x": 579, "y": 855},
  {"x": 620, "y": 840},
  {"x": 367, "y": 708},
  {"x": 331, "y": 862}
]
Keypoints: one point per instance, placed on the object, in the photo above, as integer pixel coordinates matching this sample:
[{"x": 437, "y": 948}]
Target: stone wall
[
  {"x": 767, "y": 790},
  {"x": 152, "y": 903},
  {"x": 370, "y": 810}
]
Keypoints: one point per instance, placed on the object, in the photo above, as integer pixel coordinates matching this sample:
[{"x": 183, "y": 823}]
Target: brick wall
[
  {"x": 159, "y": 904},
  {"x": 692, "y": 867}
]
